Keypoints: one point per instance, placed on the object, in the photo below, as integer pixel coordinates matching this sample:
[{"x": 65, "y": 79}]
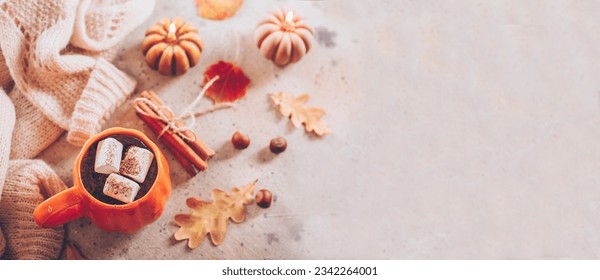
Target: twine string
[
  {"x": 163, "y": 112},
  {"x": 188, "y": 110},
  {"x": 159, "y": 114}
]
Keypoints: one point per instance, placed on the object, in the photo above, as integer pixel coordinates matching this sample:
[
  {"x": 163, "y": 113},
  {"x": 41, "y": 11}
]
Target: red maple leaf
[{"x": 231, "y": 85}]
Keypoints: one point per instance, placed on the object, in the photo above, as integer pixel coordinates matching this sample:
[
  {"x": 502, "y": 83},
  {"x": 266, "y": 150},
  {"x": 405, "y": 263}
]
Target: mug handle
[{"x": 60, "y": 209}]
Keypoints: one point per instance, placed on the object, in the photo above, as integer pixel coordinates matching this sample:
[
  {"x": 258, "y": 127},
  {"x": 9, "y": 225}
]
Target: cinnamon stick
[
  {"x": 187, "y": 165},
  {"x": 198, "y": 145},
  {"x": 171, "y": 140}
]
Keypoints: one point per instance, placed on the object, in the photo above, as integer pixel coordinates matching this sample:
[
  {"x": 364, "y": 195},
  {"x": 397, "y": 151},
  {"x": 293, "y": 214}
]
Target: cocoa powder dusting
[
  {"x": 130, "y": 166},
  {"x": 119, "y": 188},
  {"x": 111, "y": 152}
]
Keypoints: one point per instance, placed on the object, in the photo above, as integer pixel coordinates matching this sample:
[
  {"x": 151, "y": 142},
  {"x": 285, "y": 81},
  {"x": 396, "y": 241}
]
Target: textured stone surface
[{"x": 461, "y": 129}]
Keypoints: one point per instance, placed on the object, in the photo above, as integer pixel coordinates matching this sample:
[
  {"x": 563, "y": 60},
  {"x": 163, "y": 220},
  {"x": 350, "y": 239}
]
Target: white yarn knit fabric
[{"x": 52, "y": 67}]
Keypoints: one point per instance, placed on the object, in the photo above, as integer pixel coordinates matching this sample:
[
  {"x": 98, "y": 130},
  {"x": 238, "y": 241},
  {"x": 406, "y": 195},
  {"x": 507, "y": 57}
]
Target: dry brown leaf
[
  {"x": 73, "y": 252},
  {"x": 293, "y": 107},
  {"x": 218, "y": 9},
  {"x": 211, "y": 218}
]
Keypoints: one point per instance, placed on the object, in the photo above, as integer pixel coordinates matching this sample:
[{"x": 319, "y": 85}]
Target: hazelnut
[
  {"x": 278, "y": 145},
  {"x": 240, "y": 141},
  {"x": 263, "y": 198}
]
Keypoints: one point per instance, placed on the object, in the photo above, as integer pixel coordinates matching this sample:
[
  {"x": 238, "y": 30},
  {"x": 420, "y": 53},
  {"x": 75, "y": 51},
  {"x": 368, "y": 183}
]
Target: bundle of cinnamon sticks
[{"x": 188, "y": 149}]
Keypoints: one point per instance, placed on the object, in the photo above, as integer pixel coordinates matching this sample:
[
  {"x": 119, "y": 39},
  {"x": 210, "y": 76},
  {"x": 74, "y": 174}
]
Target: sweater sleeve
[
  {"x": 5, "y": 78},
  {"x": 106, "y": 88},
  {"x": 7, "y": 115},
  {"x": 51, "y": 49}
]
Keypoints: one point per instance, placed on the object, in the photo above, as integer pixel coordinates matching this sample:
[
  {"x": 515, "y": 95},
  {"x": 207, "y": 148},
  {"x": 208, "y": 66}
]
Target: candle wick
[
  {"x": 171, "y": 35},
  {"x": 288, "y": 24},
  {"x": 289, "y": 17}
]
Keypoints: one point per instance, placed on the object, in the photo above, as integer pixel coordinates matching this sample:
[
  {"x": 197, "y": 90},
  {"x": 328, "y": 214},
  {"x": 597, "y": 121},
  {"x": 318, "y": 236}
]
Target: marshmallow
[
  {"x": 136, "y": 163},
  {"x": 120, "y": 188},
  {"x": 108, "y": 156}
]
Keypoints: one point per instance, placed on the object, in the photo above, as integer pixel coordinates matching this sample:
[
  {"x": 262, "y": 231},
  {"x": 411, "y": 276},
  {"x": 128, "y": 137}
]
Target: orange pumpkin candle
[{"x": 172, "y": 46}]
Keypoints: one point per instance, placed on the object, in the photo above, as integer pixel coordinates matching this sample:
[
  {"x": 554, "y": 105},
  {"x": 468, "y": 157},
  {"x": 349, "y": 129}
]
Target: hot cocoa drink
[{"x": 118, "y": 169}]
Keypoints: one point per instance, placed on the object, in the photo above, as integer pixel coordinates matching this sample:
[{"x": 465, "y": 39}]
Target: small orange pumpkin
[
  {"x": 284, "y": 37},
  {"x": 172, "y": 46}
]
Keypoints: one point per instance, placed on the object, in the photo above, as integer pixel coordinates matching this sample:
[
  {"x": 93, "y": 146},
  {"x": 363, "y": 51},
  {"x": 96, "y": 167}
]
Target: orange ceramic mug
[{"x": 77, "y": 202}]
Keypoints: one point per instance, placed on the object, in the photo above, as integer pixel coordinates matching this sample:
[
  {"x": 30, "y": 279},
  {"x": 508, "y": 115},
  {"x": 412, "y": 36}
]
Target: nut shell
[
  {"x": 263, "y": 198},
  {"x": 240, "y": 141},
  {"x": 282, "y": 40},
  {"x": 278, "y": 145},
  {"x": 175, "y": 53}
]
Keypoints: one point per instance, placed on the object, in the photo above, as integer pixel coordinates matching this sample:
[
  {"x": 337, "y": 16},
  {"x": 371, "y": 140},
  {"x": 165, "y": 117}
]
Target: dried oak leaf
[
  {"x": 211, "y": 218},
  {"x": 218, "y": 9},
  {"x": 73, "y": 252},
  {"x": 231, "y": 85},
  {"x": 293, "y": 107}
]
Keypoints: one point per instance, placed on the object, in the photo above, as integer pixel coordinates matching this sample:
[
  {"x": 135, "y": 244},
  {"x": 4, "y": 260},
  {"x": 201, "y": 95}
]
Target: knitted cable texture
[{"x": 53, "y": 67}]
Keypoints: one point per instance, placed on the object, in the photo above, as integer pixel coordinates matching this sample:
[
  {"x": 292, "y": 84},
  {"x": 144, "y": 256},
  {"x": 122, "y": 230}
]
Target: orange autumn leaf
[
  {"x": 294, "y": 108},
  {"x": 73, "y": 252},
  {"x": 218, "y": 9},
  {"x": 231, "y": 85},
  {"x": 211, "y": 218}
]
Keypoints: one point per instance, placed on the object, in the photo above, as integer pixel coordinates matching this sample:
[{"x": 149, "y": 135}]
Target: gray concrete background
[{"x": 461, "y": 129}]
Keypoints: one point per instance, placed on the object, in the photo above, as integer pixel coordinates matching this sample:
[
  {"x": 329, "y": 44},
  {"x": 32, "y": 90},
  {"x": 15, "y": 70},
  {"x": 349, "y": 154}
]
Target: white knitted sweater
[{"x": 52, "y": 74}]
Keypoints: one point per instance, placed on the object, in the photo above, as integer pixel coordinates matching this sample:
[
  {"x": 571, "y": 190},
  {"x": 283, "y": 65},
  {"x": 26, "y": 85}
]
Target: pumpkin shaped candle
[
  {"x": 172, "y": 46},
  {"x": 283, "y": 37}
]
